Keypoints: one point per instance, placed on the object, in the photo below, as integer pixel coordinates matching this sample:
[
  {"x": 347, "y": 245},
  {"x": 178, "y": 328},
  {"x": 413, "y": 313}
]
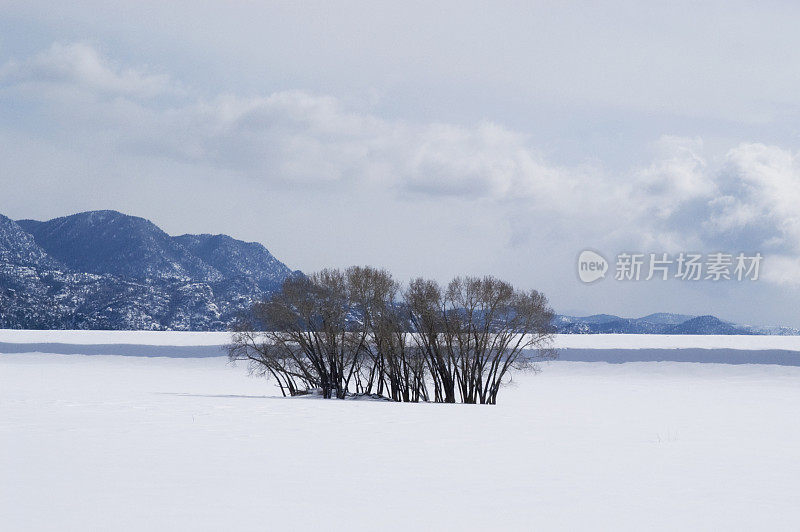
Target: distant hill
[
  {"x": 665, "y": 318},
  {"x": 660, "y": 323},
  {"x": 108, "y": 270}
]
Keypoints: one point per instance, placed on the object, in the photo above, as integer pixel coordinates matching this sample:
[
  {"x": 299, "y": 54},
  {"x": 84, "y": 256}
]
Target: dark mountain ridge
[
  {"x": 109, "y": 242},
  {"x": 108, "y": 270}
]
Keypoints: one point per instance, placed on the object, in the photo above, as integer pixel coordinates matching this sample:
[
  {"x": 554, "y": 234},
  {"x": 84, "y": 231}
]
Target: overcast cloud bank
[{"x": 75, "y": 100}]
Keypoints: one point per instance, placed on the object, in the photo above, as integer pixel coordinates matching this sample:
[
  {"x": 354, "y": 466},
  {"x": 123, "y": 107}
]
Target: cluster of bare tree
[{"x": 358, "y": 332}]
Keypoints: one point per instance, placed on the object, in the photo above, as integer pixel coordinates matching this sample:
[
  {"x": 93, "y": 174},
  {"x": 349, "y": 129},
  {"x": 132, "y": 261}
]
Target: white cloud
[
  {"x": 760, "y": 193},
  {"x": 291, "y": 137},
  {"x": 782, "y": 270},
  {"x": 80, "y": 66},
  {"x": 678, "y": 175}
]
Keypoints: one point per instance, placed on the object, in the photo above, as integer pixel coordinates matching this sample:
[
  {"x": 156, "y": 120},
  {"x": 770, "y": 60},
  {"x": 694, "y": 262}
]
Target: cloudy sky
[{"x": 455, "y": 138}]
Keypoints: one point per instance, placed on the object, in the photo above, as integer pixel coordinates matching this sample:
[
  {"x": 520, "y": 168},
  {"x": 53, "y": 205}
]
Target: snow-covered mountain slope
[
  {"x": 234, "y": 258},
  {"x": 109, "y": 242},
  {"x": 108, "y": 270},
  {"x": 19, "y": 248}
]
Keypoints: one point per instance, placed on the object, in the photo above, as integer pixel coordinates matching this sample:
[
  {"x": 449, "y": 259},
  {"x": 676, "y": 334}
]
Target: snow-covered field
[
  {"x": 109, "y": 442},
  {"x": 562, "y": 341}
]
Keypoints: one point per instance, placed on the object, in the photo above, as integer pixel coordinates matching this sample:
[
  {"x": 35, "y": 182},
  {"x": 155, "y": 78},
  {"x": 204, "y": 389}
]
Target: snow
[
  {"x": 131, "y": 443},
  {"x": 676, "y": 341},
  {"x": 171, "y": 338},
  {"x": 562, "y": 341}
]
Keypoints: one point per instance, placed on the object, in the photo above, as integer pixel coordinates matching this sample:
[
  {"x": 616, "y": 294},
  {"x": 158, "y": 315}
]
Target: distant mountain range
[
  {"x": 108, "y": 270},
  {"x": 660, "y": 323}
]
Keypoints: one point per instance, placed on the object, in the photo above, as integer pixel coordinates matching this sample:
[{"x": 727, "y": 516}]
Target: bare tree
[
  {"x": 475, "y": 332},
  {"x": 396, "y": 368},
  {"x": 433, "y": 336},
  {"x": 356, "y": 331},
  {"x": 307, "y": 322},
  {"x": 287, "y": 367},
  {"x": 492, "y": 326}
]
